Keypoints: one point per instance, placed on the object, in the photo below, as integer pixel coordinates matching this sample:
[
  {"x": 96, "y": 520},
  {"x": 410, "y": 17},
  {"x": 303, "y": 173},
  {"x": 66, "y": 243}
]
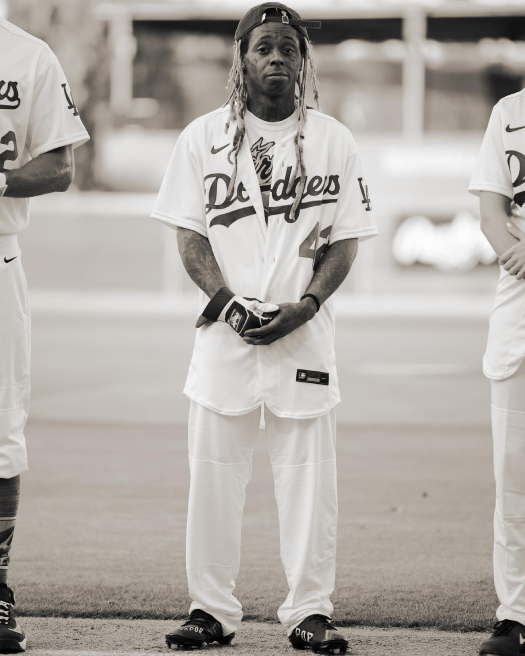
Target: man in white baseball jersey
[
  {"x": 39, "y": 127},
  {"x": 499, "y": 180},
  {"x": 269, "y": 200}
]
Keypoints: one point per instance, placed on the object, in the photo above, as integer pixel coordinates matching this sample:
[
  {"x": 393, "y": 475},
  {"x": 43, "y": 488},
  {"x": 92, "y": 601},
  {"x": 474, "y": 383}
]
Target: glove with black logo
[{"x": 240, "y": 313}]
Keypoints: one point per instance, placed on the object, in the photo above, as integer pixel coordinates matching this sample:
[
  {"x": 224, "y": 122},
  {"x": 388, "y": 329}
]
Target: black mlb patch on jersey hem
[{"x": 315, "y": 377}]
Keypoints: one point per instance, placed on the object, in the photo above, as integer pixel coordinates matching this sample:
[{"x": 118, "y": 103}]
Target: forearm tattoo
[
  {"x": 49, "y": 172},
  {"x": 199, "y": 261},
  {"x": 333, "y": 268}
]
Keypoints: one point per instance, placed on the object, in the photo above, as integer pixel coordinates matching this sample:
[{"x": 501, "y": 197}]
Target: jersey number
[
  {"x": 9, "y": 155},
  {"x": 310, "y": 248}
]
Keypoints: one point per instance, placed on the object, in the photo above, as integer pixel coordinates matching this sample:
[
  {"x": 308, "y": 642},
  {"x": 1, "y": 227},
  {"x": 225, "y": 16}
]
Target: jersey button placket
[{"x": 269, "y": 257}]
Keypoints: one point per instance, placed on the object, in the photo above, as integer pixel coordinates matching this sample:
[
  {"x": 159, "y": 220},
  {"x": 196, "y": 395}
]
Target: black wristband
[
  {"x": 316, "y": 300},
  {"x": 216, "y": 305}
]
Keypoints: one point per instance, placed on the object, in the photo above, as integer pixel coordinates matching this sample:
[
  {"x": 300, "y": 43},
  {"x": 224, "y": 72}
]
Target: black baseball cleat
[
  {"x": 508, "y": 639},
  {"x": 317, "y": 633},
  {"x": 201, "y": 629},
  {"x": 12, "y": 638}
]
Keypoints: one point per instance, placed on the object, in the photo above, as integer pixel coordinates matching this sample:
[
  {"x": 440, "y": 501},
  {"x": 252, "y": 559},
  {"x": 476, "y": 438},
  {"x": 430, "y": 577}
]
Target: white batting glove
[{"x": 240, "y": 313}]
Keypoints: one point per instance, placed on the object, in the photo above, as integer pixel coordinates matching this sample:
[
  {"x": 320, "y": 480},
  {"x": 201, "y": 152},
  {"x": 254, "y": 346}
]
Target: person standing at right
[{"x": 499, "y": 181}]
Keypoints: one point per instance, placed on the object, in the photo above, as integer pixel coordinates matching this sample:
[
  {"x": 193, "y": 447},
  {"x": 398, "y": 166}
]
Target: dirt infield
[{"x": 83, "y": 637}]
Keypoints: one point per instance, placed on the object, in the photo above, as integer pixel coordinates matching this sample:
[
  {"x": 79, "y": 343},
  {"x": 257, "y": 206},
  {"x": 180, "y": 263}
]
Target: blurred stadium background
[{"x": 415, "y": 81}]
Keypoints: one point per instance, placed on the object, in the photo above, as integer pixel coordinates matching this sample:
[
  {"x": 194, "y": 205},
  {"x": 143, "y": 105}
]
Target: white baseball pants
[
  {"x": 15, "y": 340},
  {"x": 508, "y": 429},
  {"x": 302, "y": 454}
]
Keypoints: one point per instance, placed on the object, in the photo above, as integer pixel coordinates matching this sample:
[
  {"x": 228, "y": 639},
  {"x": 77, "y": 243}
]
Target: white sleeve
[
  {"x": 53, "y": 119},
  {"x": 354, "y": 216},
  {"x": 181, "y": 197},
  {"x": 492, "y": 172}
]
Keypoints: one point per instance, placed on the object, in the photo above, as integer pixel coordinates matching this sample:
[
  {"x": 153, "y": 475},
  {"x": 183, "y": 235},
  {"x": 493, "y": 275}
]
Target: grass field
[{"x": 102, "y": 526}]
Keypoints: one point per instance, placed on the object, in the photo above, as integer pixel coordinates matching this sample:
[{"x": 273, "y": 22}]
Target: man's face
[{"x": 273, "y": 59}]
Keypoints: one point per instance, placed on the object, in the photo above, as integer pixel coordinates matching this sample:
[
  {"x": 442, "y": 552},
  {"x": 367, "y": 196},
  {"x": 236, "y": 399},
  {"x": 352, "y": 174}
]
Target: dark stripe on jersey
[{"x": 230, "y": 217}]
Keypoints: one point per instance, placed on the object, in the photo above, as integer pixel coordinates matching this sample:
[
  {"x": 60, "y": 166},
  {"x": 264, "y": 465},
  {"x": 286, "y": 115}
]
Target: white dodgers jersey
[
  {"x": 501, "y": 163},
  {"x": 501, "y": 169},
  {"x": 37, "y": 112},
  {"x": 273, "y": 261}
]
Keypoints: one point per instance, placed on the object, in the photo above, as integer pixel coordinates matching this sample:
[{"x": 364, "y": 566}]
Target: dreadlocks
[{"x": 238, "y": 102}]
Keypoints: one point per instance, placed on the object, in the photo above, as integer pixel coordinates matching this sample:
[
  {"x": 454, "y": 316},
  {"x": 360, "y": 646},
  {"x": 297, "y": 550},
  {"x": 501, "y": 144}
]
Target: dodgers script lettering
[
  {"x": 519, "y": 198},
  {"x": 9, "y": 94},
  {"x": 218, "y": 199}
]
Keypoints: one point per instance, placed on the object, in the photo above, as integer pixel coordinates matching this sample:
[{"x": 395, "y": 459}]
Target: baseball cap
[{"x": 273, "y": 12}]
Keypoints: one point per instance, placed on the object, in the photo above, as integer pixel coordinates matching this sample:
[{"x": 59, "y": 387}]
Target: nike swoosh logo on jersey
[
  {"x": 522, "y": 640},
  {"x": 509, "y": 129},
  {"x": 214, "y": 150},
  {"x": 7, "y": 261}
]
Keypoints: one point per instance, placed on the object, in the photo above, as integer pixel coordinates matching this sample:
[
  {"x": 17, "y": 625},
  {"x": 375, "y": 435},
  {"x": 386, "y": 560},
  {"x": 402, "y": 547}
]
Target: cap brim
[{"x": 201, "y": 321}]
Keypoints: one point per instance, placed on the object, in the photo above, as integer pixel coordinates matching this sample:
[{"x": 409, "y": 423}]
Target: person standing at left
[{"x": 39, "y": 128}]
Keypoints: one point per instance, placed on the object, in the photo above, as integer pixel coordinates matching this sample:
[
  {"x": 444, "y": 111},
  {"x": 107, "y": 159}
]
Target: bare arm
[
  {"x": 330, "y": 273},
  {"x": 51, "y": 171},
  {"x": 199, "y": 261},
  {"x": 495, "y": 211}
]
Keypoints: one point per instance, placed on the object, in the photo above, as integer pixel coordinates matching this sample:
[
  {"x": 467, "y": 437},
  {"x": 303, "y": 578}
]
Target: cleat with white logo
[
  {"x": 12, "y": 638},
  {"x": 508, "y": 639},
  {"x": 201, "y": 629},
  {"x": 317, "y": 633}
]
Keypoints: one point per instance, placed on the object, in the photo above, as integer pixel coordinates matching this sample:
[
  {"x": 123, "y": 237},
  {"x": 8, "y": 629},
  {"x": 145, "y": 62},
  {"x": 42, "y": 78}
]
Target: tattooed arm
[
  {"x": 48, "y": 172},
  {"x": 199, "y": 261},
  {"x": 332, "y": 269}
]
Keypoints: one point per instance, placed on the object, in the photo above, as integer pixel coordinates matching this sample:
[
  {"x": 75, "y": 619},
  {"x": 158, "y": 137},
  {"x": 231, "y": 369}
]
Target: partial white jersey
[
  {"x": 37, "y": 112},
  {"x": 501, "y": 169},
  {"x": 501, "y": 163},
  {"x": 273, "y": 261}
]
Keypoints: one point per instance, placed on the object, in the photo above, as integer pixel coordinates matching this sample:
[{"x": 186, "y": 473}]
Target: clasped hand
[
  {"x": 289, "y": 317},
  {"x": 513, "y": 260}
]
